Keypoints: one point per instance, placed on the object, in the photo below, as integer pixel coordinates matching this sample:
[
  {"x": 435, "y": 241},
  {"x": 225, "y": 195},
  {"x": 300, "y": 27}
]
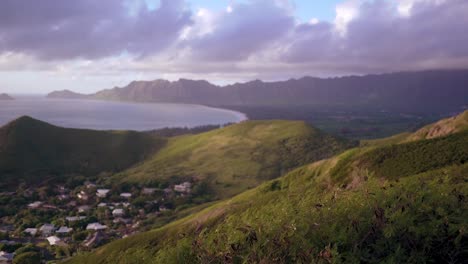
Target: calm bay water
[{"x": 104, "y": 115}]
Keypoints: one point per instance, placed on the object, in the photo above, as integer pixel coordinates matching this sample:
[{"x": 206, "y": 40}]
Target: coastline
[{"x": 236, "y": 116}]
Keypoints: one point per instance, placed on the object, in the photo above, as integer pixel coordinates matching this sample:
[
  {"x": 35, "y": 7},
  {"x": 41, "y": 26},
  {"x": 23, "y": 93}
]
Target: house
[
  {"x": 121, "y": 220},
  {"x": 90, "y": 185},
  {"x": 148, "y": 191},
  {"x": 75, "y": 218},
  {"x": 183, "y": 188},
  {"x": 126, "y": 195},
  {"x": 82, "y": 196},
  {"x": 118, "y": 212},
  {"x": 35, "y": 205},
  {"x": 63, "y": 197},
  {"x": 83, "y": 208},
  {"x": 6, "y": 257},
  {"x": 102, "y": 193},
  {"x": 64, "y": 230},
  {"x": 163, "y": 208},
  {"x": 47, "y": 229},
  {"x": 96, "y": 226},
  {"x": 55, "y": 241},
  {"x": 31, "y": 231},
  {"x": 102, "y": 205}
]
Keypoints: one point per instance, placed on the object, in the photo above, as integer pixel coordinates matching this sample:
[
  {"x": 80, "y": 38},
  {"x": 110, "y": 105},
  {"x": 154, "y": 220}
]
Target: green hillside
[
  {"x": 237, "y": 157},
  {"x": 401, "y": 203},
  {"x": 31, "y": 150},
  {"x": 441, "y": 128}
]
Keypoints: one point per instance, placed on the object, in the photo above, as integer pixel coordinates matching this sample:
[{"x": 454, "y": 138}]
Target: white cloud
[{"x": 345, "y": 13}]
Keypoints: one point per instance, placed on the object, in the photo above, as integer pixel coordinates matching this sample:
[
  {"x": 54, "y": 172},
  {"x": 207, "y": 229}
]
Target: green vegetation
[
  {"x": 31, "y": 150},
  {"x": 420, "y": 156},
  {"x": 441, "y": 128},
  {"x": 237, "y": 157},
  {"x": 354, "y": 208}
]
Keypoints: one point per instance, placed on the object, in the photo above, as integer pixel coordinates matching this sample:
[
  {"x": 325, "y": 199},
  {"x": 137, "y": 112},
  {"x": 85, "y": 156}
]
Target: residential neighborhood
[{"x": 57, "y": 222}]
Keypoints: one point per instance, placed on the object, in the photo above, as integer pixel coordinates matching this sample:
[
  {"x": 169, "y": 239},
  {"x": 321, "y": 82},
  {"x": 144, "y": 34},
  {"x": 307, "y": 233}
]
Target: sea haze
[{"x": 106, "y": 115}]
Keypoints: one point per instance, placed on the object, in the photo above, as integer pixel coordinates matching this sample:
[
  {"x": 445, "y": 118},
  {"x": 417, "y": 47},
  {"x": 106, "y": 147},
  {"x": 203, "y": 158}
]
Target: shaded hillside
[
  {"x": 31, "y": 150},
  {"x": 237, "y": 157},
  {"x": 366, "y": 215},
  {"x": 427, "y": 91}
]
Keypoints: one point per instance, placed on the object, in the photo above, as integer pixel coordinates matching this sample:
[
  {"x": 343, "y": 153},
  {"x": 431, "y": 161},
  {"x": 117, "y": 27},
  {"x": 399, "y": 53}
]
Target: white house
[
  {"x": 31, "y": 231},
  {"x": 102, "y": 193},
  {"x": 6, "y": 257},
  {"x": 183, "y": 188},
  {"x": 47, "y": 229},
  {"x": 118, "y": 212},
  {"x": 35, "y": 205},
  {"x": 96, "y": 226},
  {"x": 82, "y": 195},
  {"x": 83, "y": 208},
  {"x": 126, "y": 195},
  {"x": 53, "y": 241},
  {"x": 74, "y": 218},
  {"x": 148, "y": 190},
  {"x": 64, "y": 230}
]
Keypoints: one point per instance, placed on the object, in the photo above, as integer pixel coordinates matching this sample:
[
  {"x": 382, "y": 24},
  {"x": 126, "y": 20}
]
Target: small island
[
  {"x": 66, "y": 94},
  {"x": 5, "y": 97}
]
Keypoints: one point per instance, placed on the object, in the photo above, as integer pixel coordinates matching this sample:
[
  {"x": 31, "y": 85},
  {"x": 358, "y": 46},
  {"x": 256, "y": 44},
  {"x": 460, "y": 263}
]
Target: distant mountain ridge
[{"x": 444, "y": 90}]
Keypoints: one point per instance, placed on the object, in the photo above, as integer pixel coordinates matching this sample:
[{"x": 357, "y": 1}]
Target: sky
[{"x": 89, "y": 45}]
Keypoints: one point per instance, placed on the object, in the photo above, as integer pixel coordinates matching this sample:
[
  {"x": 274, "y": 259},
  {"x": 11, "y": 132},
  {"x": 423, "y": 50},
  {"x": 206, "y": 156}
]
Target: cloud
[
  {"x": 241, "y": 30},
  {"x": 55, "y": 29},
  {"x": 380, "y": 38},
  {"x": 248, "y": 39}
]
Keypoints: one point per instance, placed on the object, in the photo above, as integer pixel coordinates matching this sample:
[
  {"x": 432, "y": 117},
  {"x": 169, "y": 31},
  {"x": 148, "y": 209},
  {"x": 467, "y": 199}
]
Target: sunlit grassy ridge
[
  {"x": 354, "y": 208},
  {"x": 238, "y": 157},
  {"x": 33, "y": 150},
  {"x": 441, "y": 128}
]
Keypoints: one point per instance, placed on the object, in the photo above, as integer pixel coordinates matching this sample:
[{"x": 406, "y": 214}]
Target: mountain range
[{"x": 426, "y": 91}]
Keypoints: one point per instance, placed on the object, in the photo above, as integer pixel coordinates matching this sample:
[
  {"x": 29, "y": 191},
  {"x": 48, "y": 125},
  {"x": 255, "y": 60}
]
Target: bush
[{"x": 27, "y": 258}]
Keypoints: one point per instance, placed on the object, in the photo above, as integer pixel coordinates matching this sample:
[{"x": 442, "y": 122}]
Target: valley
[
  {"x": 183, "y": 199},
  {"x": 354, "y": 207},
  {"x": 104, "y": 185}
]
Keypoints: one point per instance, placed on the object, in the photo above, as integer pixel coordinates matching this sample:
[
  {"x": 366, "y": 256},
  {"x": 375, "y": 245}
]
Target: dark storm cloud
[{"x": 57, "y": 29}]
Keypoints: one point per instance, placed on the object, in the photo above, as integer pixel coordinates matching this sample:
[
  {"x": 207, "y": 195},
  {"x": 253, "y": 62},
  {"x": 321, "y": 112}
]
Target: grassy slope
[
  {"x": 240, "y": 156},
  {"x": 31, "y": 149},
  {"x": 341, "y": 210},
  {"x": 441, "y": 128}
]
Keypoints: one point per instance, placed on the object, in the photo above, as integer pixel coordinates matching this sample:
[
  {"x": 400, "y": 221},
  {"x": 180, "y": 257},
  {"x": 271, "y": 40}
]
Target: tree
[{"x": 27, "y": 258}]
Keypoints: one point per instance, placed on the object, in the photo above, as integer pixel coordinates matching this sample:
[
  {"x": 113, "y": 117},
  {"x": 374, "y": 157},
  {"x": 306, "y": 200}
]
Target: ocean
[{"x": 107, "y": 115}]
